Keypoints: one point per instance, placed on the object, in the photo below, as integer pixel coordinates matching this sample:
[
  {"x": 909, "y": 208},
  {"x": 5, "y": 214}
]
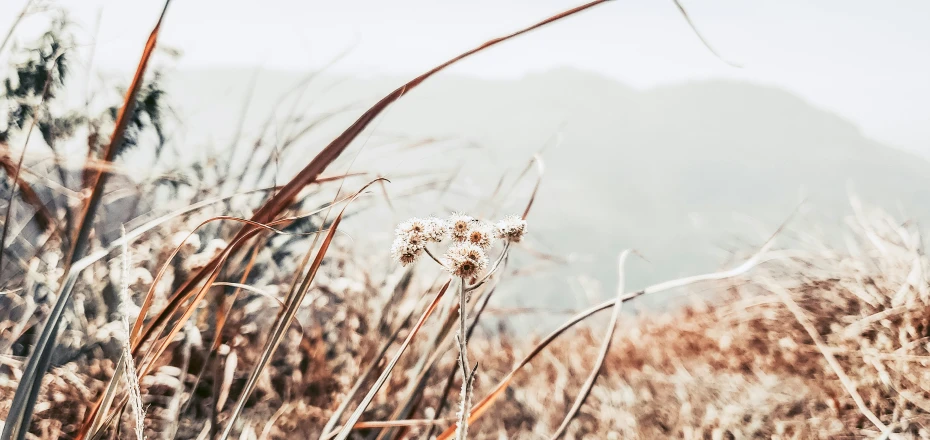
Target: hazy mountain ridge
[{"x": 662, "y": 170}]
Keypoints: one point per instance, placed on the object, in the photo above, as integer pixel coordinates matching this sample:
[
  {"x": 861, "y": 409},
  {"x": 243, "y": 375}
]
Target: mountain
[{"x": 682, "y": 173}]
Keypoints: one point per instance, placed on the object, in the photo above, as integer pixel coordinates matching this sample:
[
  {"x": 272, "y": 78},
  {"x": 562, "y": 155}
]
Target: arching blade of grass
[
  {"x": 479, "y": 409},
  {"x": 79, "y": 246},
  {"x": 605, "y": 348},
  {"x": 334, "y": 418},
  {"x": 310, "y": 173},
  {"x": 222, "y": 314},
  {"x": 18, "y": 419},
  {"x": 27, "y": 392},
  {"x": 176, "y": 301},
  {"x": 540, "y": 168},
  {"x": 443, "y": 396},
  {"x": 700, "y": 36},
  {"x": 14, "y": 171},
  {"x": 286, "y": 318},
  {"x": 196, "y": 297},
  {"x": 110, "y": 392},
  {"x": 175, "y": 304},
  {"x": 89, "y": 425},
  {"x": 357, "y": 414},
  {"x": 15, "y": 24},
  {"x": 44, "y": 217},
  {"x": 85, "y": 262},
  {"x": 280, "y": 201}
]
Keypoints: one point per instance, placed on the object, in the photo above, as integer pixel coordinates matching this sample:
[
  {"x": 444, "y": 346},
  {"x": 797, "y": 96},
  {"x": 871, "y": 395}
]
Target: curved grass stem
[
  {"x": 490, "y": 273},
  {"x": 438, "y": 261}
]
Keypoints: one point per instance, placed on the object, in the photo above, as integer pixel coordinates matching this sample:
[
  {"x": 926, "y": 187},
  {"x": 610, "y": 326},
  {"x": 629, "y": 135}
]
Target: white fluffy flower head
[
  {"x": 435, "y": 229},
  {"x": 481, "y": 235},
  {"x": 459, "y": 226},
  {"x": 466, "y": 260},
  {"x": 511, "y": 228},
  {"x": 406, "y": 250},
  {"x": 413, "y": 226}
]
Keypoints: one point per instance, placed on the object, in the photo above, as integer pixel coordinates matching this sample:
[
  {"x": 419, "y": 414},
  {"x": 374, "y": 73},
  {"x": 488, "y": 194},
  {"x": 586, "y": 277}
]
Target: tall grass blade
[
  {"x": 79, "y": 245},
  {"x": 17, "y": 422},
  {"x": 44, "y": 217},
  {"x": 19, "y": 18},
  {"x": 700, "y": 36},
  {"x": 334, "y": 419},
  {"x": 312, "y": 170},
  {"x": 762, "y": 256},
  {"x": 14, "y": 176},
  {"x": 357, "y": 414},
  {"x": 285, "y": 319},
  {"x": 602, "y": 355},
  {"x": 27, "y": 391},
  {"x": 109, "y": 393},
  {"x": 173, "y": 306}
]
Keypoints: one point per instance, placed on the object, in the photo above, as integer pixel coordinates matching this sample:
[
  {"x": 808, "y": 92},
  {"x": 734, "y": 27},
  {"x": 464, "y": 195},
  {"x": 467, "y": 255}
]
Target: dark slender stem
[
  {"x": 462, "y": 431},
  {"x": 434, "y": 258},
  {"x": 497, "y": 264}
]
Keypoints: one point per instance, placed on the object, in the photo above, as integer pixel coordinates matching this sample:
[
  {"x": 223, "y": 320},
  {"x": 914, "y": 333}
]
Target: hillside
[{"x": 680, "y": 173}]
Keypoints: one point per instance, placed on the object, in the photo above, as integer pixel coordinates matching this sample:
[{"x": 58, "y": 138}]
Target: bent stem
[
  {"x": 467, "y": 374},
  {"x": 490, "y": 272},
  {"x": 438, "y": 261}
]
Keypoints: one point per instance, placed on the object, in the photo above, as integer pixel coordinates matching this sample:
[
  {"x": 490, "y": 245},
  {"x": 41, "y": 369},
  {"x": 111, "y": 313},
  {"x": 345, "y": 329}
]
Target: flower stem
[
  {"x": 490, "y": 272},
  {"x": 461, "y": 431},
  {"x": 433, "y": 257}
]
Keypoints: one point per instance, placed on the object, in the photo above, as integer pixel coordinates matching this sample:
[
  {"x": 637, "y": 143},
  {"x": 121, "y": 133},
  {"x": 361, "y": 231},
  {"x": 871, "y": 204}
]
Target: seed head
[
  {"x": 511, "y": 228},
  {"x": 413, "y": 226},
  {"x": 406, "y": 249},
  {"x": 435, "y": 229},
  {"x": 481, "y": 235},
  {"x": 459, "y": 225},
  {"x": 466, "y": 260}
]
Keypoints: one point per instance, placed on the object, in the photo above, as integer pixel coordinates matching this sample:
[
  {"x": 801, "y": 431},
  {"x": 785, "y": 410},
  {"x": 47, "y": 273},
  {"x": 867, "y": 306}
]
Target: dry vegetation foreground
[
  {"x": 250, "y": 319},
  {"x": 809, "y": 343}
]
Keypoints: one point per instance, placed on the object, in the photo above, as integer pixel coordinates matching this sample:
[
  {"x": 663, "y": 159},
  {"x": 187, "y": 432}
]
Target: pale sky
[{"x": 866, "y": 60}]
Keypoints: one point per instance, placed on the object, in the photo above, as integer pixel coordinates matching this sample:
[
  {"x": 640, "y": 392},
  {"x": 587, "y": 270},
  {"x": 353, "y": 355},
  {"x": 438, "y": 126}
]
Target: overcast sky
[{"x": 866, "y": 60}]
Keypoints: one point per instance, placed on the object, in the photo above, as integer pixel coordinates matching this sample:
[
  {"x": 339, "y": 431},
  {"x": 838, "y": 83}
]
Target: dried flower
[
  {"x": 435, "y": 229},
  {"x": 459, "y": 226},
  {"x": 406, "y": 250},
  {"x": 414, "y": 226},
  {"x": 466, "y": 260},
  {"x": 482, "y": 235},
  {"x": 511, "y": 228}
]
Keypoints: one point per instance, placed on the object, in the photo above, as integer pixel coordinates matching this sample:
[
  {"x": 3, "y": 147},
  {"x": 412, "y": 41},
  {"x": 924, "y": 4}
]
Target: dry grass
[
  {"x": 252, "y": 320},
  {"x": 742, "y": 367}
]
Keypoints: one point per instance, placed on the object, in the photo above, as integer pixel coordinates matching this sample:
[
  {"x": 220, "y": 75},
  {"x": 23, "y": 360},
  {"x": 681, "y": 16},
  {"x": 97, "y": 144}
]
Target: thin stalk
[
  {"x": 847, "y": 383},
  {"x": 22, "y": 156},
  {"x": 434, "y": 257},
  {"x": 490, "y": 272},
  {"x": 461, "y": 432},
  {"x": 15, "y": 24},
  {"x": 605, "y": 347}
]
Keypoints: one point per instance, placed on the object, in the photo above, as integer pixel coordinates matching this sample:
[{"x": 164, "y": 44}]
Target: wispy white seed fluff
[
  {"x": 413, "y": 226},
  {"x": 511, "y": 228},
  {"x": 435, "y": 229},
  {"x": 481, "y": 235},
  {"x": 459, "y": 225},
  {"x": 465, "y": 260},
  {"x": 406, "y": 249}
]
